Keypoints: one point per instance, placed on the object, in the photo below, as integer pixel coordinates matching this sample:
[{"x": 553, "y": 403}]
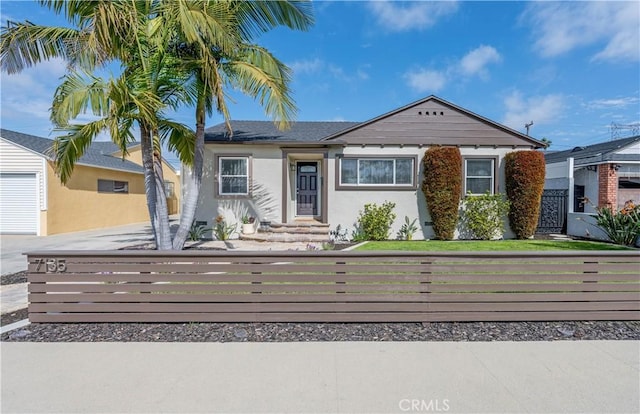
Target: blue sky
[{"x": 572, "y": 68}]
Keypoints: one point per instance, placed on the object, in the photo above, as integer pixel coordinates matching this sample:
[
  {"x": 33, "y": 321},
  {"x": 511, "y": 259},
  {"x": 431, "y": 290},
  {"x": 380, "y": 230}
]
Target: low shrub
[
  {"x": 197, "y": 232},
  {"x": 407, "y": 230},
  {"x": 484, "y": 215},
  {"x": 442, "y": 187},
  {"x": 374, "y": 223},
  {"x": 622, "y": 227},
  {"x": 524, "y": 172}
]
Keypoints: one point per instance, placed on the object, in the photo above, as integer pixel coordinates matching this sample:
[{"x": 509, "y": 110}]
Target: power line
[{"x": 617, "y": 130}]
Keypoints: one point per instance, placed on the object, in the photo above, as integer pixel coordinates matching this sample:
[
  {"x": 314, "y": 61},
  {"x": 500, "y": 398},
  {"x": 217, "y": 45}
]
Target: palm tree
[{"x": 212, "y": 39}]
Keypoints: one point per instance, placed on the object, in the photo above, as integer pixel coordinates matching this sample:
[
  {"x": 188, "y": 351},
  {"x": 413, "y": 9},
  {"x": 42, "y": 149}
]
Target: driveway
[{"x": 12, "y": 247}]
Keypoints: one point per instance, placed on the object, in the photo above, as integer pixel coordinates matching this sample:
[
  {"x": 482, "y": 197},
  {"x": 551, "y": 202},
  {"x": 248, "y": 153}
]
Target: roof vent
[{"x": 576, "y": 149}]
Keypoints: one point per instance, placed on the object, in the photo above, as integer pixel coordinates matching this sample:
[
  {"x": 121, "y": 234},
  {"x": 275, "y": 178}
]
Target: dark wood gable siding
[{"x": 432, "y": 123}]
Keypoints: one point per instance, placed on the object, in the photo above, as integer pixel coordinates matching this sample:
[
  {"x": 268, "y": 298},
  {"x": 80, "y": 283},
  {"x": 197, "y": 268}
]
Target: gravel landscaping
[
  {"x": 310, "y": 332},
  {"x": 14, "y": 278}
]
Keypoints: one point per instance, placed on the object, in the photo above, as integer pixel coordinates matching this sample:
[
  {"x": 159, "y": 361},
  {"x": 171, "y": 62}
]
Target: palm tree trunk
[
  {"x": 163, "y": 230},
  {"x": 162, "y": 238},
  {"x": 192, "y": 181}
]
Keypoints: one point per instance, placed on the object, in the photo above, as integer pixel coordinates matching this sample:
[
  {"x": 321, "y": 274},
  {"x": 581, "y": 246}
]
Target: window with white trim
[
  {"x": 233, "y": 176},
  {"x": 376, "y": 171},
  {"x": 479, "y": 175}
]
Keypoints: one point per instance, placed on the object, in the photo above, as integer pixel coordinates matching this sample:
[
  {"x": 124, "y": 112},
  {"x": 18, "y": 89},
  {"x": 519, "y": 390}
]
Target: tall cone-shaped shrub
[
  {"x": 442, "y": 187},
  {"x": 524, "y": 171}
]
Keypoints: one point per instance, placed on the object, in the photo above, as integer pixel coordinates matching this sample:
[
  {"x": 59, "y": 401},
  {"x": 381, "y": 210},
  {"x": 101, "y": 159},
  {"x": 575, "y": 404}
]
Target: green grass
[{"x": 483, "y": 245}]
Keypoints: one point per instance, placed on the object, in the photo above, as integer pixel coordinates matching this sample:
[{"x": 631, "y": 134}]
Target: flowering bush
[{"x": 622, "y": 227}]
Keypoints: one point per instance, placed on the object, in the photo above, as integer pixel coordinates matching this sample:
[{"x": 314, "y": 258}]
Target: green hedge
[
  {"x": 442, "y": 187},
  {"x": 524, "y": 172}
]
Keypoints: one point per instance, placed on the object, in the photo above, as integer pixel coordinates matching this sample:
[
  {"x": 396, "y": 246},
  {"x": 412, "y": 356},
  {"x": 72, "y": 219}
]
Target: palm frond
[
  {"x": 257, "y": 17},
  {"x": 23, "y": 45},
  {"x": 76, "y": 94},
  {"x": 260, "y": 75},
  {"x": 179, "y": 139},
  {"x": 69, "y": 148},
  {"x": 201, "y": 23}
]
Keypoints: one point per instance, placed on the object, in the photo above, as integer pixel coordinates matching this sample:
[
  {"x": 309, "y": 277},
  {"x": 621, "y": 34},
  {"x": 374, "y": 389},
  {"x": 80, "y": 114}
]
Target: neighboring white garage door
[{"x": 18, "y": 203}]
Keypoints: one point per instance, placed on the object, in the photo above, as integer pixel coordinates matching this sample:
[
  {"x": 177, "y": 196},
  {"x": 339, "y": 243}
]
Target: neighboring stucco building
[
  {"x": 327, "y": 171},
  {"x": 598, "y": 175},
  {"x": 103, "y": 191}
]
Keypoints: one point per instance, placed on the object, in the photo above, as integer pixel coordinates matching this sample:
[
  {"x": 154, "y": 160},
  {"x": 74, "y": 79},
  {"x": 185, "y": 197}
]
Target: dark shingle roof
[
  {"x": 98, "y": 155},
  {"x": 596, "y": 153},
  {"x": 266, "y": 131}
]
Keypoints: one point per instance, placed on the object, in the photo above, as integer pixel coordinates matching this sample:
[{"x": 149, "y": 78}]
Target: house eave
[
  {"x": 534, "y": 143},
  {"x": 279, "y": 143},
  {"x": 110, "y": 168},
  {"x": 34, "y": 152}
]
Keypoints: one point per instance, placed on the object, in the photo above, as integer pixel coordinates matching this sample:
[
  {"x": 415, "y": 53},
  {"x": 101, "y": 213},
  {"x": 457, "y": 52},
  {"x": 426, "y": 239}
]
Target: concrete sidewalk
[{"x": 338, "y": 377}]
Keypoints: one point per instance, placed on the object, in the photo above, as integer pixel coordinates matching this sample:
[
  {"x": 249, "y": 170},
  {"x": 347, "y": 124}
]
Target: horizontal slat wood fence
[{"x": 332, "y": 286}]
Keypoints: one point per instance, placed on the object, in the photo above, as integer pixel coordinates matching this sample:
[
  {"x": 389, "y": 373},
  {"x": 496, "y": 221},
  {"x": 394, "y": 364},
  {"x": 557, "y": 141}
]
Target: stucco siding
[
  {"x": 14, "y": 159},
  {"x": 557, "y": 170},
  {"x": 344, "y": 206},
  {"x": 79, "y": 206},
  {"x": 588, "y": 179},
  {"x": 170, "y": 174},
  {"x": 265, "y": 202}
]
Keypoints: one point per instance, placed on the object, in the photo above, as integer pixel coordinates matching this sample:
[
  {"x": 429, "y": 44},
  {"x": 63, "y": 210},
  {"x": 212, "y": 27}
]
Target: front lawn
[{"x": 483, "y": 245}]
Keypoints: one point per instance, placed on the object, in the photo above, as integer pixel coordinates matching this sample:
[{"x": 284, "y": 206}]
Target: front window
[
  {"x": 376, "y": 171},
  {"x": 233, "y": 175},
  {"x": 479, "y": 176}
]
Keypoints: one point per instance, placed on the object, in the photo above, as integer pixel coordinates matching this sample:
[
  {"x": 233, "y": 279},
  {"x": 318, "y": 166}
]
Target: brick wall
[{"x": 607, "y": 186}]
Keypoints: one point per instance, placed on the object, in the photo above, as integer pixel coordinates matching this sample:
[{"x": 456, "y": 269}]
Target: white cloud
[
  {"x": 560, "y": 27},
  {"x": 306, "y": 66},
  {"x": 476, "y": 61},
  {"x": 539, "y": 109},
  {"x": 472, "y": 64},
  {"x": 26, "y": 97},
  {"x": 613, "y": 103},
  {"x": 316, "y": 65},
  {"x": 425, "y": 80},
  {"x": 399, "y": 17}
]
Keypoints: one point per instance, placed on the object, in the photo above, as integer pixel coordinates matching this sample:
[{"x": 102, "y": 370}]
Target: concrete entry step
[
  {"x": 285, "y": 237},
  {"x": 297, "y": 231},
  {"x": 306, "y": 224}
]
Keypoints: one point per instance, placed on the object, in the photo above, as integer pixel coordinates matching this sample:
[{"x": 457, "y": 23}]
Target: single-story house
[
  {"x": 325, "y": 172},
  {"x": 606, "y": 174},
  {"x": 105, "y": 190}
]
